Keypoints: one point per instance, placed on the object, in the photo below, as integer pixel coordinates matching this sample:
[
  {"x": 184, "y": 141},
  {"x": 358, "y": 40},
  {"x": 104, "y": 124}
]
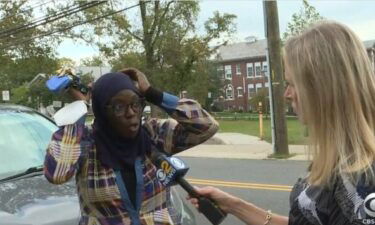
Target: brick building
[{"x": 243, "y": 66}]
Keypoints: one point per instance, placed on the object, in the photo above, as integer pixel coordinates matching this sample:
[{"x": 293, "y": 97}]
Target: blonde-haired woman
[{"x": 331, "y": 85}]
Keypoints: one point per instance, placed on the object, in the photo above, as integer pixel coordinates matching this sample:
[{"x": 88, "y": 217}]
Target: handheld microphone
[{"x": 171, "y": 171}]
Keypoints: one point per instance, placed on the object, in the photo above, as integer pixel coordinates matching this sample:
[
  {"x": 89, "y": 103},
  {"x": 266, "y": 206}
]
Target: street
[{"x": 266, "y": 183}]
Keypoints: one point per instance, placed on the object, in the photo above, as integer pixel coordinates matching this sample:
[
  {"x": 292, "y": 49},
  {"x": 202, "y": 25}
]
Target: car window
[{"x": 23, "y": 141}]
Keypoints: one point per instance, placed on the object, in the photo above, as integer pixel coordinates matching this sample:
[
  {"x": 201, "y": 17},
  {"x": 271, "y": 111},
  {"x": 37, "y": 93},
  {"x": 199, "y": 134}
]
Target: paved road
[{"x": 266, "y": 183}]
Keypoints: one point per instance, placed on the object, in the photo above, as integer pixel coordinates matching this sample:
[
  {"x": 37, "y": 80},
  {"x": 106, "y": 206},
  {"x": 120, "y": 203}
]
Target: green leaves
[
  {"x": 92, "y": 61},
  {"x": 20, "y": 95},
  {"x": 219, "y": 24},
  {"x": 158, "y": 37},
  {"x": 161, "y": 40},
  {"x": 260, "y": 96},
  {"x": 300, "y": 21}
]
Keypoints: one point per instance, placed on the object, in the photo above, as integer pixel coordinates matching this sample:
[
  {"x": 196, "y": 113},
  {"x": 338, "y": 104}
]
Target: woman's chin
[{"x": 131, "y": 132}]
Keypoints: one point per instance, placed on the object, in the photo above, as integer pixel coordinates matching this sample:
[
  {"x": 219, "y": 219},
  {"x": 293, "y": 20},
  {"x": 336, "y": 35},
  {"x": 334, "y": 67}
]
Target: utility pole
[{"x": 276, "y": 78}]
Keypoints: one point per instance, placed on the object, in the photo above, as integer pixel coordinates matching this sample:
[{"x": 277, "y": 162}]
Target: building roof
[
  {"x": 245, "y": 50},
  {"x": 242, "y": 50},
  {"x": 369, "y": 44}
]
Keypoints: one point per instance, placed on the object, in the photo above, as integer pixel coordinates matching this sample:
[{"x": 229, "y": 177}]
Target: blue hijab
[{"x": 112, "y": 150}]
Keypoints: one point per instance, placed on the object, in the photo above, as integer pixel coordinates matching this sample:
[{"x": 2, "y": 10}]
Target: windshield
[{"x": 23, "y": 141}]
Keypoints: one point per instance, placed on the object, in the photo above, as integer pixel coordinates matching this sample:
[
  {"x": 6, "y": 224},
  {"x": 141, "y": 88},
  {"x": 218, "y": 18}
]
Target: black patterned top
[{"x": 342, "y": 204}]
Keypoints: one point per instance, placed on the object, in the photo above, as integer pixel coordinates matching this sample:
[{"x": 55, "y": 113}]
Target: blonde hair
[{"x": 335, "y": 85}]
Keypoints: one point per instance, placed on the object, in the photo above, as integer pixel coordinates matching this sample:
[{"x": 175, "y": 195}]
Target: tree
[
  {"x": 92, "y": 61},
  {"x": 86, "y": 78},
  {"x": 20, "y": 95},
  {"x": 21, "y": 60},
  {"x": 163, "y": 43},
  {"x": 300, "y": 21},
  {"x": 66, "y": 62},
  {"x": 129, "y": 59},
  {"x": 160, "y": 28},
  {"x": 260, "y": 96}
]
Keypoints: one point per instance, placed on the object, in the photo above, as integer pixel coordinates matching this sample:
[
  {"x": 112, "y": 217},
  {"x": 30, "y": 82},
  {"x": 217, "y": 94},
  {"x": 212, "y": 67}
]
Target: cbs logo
[
  {"x": 369, "y": 205},
  {"x": 161, "y": 175},
  {"x": 368, "y": 221}
]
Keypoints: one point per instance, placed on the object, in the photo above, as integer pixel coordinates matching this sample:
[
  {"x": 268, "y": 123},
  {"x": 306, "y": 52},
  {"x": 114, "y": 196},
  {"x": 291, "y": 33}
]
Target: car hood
[{"x": 34, "y": 201}]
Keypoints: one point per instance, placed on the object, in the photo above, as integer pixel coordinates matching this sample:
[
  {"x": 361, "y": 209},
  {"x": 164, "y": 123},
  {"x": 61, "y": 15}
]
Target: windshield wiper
[{"x": 30, "y": 170}]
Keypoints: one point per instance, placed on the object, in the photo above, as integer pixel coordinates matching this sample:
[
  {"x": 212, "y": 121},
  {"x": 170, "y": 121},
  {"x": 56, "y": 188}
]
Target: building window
[
  {"x": 258, "y": 87},
  {"x": 238, "y": 69},
  {"x": 265, "y": 67},
  {"x": 239, "y": 92},
  {"x": 251, "y": 89},
  {"x": 228, "y": 72},
  {"x": 229, "y": 92},
  {"x": 220, "y": 72},
  {"x": 250, "y": 70},
  {"x": 258, "y": 69}
]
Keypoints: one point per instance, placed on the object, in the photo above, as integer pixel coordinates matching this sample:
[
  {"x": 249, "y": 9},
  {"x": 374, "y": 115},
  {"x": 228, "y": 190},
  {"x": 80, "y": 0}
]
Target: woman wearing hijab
[{"x": 116, "y": 180}]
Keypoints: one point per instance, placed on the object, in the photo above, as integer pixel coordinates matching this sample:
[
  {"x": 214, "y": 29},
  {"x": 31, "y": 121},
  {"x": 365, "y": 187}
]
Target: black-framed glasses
[{"x": 120, "y": 109}]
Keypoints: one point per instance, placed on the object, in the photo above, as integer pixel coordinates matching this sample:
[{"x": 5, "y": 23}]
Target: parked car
[{"x": 26, "y": 197}]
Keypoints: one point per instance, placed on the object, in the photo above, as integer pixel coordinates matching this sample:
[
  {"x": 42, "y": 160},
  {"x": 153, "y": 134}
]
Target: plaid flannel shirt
[{"x": 72, "y": 152}]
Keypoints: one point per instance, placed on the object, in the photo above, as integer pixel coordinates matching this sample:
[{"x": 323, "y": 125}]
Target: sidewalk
[{"x": 240, "y": 146}]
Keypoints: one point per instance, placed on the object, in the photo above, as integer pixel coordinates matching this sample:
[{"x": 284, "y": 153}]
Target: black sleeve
[{"x": 154, "y": 96}]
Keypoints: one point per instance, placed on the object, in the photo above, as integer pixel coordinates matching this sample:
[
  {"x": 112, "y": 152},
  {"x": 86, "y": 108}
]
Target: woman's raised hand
[{"x": 142, "y": 83}]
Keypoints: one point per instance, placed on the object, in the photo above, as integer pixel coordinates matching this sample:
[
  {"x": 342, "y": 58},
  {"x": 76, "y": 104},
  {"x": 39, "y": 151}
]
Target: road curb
[{"x": 243, "y": 151}]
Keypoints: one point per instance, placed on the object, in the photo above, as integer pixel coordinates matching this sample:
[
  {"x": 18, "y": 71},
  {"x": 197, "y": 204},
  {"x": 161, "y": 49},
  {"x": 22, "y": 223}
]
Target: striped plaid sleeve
[
  {"x": 63, "y": 152},
  {"x": 190, "y": 125}
]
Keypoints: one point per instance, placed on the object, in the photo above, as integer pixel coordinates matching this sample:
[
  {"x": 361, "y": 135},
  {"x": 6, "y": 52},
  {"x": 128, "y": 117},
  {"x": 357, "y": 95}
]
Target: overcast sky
[{"x": 357, "y": 14}]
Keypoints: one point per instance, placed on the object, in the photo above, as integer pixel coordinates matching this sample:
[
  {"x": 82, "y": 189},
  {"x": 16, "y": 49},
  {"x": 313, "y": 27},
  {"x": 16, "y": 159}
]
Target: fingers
[
  {"x": 195, "y": 204},
  {"x": 141, "y": 81},
  {"x": 131, "y": 72},
  {"x": 222, "y": 199},
  {"x": 193, "y": 201},
  {"x": 205, "y": 191},
  {"x": 75, "y": 94}
]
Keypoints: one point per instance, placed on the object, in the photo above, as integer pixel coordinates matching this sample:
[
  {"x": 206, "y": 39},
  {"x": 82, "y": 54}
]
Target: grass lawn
[{"x": 251, "y": 127}]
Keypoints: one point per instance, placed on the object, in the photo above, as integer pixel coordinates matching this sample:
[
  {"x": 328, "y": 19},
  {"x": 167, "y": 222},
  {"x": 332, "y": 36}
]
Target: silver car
[{"x": 26, "y": 197}]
